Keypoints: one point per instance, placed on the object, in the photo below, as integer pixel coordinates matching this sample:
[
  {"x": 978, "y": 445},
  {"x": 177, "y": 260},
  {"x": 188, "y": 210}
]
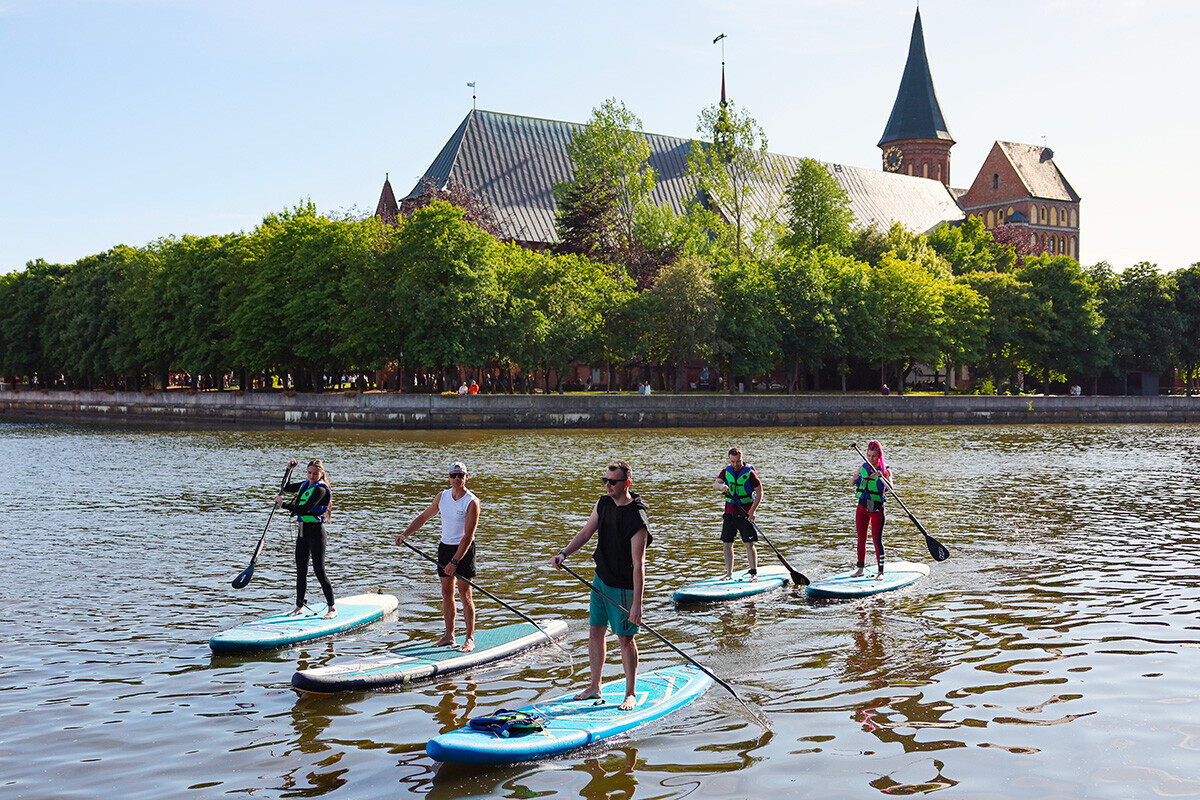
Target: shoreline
[{"x": 380, "y": 410}]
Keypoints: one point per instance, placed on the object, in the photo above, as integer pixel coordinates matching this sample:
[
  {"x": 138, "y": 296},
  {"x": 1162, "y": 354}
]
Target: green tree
[
  {"x": 449, "y": 289},
  {"x": 1007, "y": 325},
  {"x": 747, "y": 337},
  {"x": 730, "y": 168},
  {"x": 964, "y": 335},
  {"x": 612, "y": 177},
  {"x": 806, "y": 322},
  {"x": 1066, "y": 335},
  {"x": 1141, "y": 322},
  {"x": 818, "y": 210},
  {"x": 23, "y": 299},
  {"x": 969, "y": 247},
  {"x": 685, "y": 309},
  {"x": 855, "y": 312},
  {"x": 908, "y": 305},
  {"x": 1187, "y": 308}
]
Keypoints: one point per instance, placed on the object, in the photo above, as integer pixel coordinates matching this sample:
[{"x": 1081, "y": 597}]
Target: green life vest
[
  {"x": 736, "y": 490},
  {"x": 316, "y": 513},
  {"x": 870, "y": 486}
]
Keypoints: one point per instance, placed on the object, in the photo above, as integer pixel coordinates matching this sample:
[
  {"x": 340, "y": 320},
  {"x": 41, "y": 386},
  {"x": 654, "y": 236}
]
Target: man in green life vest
[{"x": 743, "y": 492}]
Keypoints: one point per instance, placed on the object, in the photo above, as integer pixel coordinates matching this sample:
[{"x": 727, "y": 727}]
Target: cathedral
[{"x": 513, "y": 163}]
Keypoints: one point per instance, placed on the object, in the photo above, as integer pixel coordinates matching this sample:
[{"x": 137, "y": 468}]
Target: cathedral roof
[
  {"x": 387, "y": 210},
  {"x": 916, "y": 113},
  {"x": 513, "y": 163},
  {"x": 1037, "y": 170}
]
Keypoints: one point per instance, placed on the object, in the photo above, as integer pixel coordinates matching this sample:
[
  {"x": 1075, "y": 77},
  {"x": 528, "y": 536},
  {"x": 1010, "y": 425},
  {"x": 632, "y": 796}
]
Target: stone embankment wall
[{"x": 420, "y": 411}]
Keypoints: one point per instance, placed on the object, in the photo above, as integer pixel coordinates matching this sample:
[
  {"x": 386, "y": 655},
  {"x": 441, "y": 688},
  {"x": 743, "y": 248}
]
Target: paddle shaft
[
  {"x": 473, "y": 585},
  {"x": 936, "y": 549},
  {"x": 668, "y": 643},
  {"x": 244, "y": 578}
]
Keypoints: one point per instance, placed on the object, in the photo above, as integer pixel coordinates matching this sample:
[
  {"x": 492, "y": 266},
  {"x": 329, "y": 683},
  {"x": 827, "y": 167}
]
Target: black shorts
[
  {"x": 466, "y": 564},
  {"x": 732, "y": 524}
]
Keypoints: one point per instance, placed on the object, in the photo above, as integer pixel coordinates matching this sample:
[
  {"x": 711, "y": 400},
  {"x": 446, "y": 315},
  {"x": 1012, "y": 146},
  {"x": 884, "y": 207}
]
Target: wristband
[{"x": 454, "y": 561}]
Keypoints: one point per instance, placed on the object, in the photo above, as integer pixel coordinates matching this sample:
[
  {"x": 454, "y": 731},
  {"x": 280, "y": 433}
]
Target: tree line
[{"x": 794, "y": 291}]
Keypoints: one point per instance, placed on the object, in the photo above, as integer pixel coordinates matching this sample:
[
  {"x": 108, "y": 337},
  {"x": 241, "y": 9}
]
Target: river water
[{"x": 1055, "y": 655}]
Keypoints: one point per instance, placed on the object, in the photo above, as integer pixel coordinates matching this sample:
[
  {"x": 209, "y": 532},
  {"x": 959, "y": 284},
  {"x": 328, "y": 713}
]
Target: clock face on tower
[{"x": 892, "y": 158}]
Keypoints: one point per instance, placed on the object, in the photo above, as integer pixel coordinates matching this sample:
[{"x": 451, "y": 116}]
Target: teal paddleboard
[
  {"x": 407, "y": 664},
  {"x": 896, "y": 575},
  {"x": 571, "y": 724},
  {"x": 714, "y": 590},
  {"x": 281, "y": 630}
]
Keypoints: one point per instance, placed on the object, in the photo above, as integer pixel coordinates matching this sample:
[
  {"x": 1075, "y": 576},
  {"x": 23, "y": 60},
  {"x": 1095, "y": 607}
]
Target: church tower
[{"x": 916, "y": 140}]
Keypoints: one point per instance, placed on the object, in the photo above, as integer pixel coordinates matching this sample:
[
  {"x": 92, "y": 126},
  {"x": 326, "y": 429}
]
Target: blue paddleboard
[
  {"x": 407, "y": 664},
  {"x": 896, "y": 575},
  {"x": 714, "y": 590},
  {"x": 571, "y": 724},
  {"x": 280, "y": 630}
]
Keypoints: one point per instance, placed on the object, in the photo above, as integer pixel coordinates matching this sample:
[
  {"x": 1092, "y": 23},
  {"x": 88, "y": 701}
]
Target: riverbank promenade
[{"x": 590, "y": 410}]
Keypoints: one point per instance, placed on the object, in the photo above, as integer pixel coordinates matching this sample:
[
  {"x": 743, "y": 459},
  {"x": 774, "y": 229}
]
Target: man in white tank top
[{"x": 459, "y": 509}]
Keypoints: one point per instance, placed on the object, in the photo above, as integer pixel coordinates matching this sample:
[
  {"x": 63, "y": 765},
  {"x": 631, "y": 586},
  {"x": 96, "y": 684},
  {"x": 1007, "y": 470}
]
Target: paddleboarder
[
  {"x": 620, "y": 518},
  {"x": 870, "y": 490},
  {"x": 459, "y": 509},
  {"x": 311, "y": 508},
  {"x": 743, "y": 492}
]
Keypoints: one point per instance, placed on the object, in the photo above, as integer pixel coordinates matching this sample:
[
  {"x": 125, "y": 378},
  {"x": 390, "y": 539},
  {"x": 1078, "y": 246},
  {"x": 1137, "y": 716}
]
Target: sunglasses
[
  {"x": 458, "y": 474},
  {"x": 612, "y": 481}
]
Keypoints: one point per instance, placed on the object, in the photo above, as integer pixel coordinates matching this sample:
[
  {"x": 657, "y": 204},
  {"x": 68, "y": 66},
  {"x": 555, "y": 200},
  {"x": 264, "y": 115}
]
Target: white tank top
[{"x": 454, "y": 515}]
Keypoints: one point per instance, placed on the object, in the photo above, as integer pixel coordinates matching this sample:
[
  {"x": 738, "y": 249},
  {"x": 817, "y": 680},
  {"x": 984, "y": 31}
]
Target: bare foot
[
  {"x": 445, "y": 640},
  {"x": 330, "y": 614},
  {"x": 879, "y": 577},
  {"x": 857, "y": 573},
  {"x": 295, "y": 611},
  {"x": 468, "y": 645},
  {"x": 629, "y": 703},
  {"x": 754, "y": 579},
  {"x": 590, "y": 693},
  {"x": 728, "y": 577}
]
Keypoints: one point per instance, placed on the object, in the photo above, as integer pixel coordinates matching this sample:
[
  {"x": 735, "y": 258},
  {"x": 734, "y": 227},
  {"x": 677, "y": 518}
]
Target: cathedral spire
[{"x": 916, "y": 114}]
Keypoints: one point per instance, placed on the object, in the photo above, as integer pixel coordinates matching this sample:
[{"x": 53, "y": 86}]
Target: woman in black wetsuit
[{"x": 311, "y": 509}]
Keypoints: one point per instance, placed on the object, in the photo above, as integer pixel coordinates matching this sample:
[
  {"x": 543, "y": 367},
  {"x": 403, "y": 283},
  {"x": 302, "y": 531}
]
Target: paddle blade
[
  {"x": 244, "y": 578},
  {"x": 936, "y": 549},
  {"x": 799, "y": 579}
]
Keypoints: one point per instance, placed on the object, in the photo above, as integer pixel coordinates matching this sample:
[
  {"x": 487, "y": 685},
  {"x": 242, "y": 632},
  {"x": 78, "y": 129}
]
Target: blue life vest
[
  {"x": 736, "y": 490},
  {"x": 316, "y": 513}
]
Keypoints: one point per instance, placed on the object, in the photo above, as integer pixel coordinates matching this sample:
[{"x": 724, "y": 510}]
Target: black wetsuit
[{"x": 311, "y": 541}]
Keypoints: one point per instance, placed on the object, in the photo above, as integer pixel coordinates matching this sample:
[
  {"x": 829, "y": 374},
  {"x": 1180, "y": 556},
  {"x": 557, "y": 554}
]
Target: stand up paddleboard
[
  {"x": 408, "y": 664},
  {"x": 714, "y": 590},
  {"x": 280, "y": 630},
  {"x": 571, "y": 724},
  {"x": 896, "y": 575}
]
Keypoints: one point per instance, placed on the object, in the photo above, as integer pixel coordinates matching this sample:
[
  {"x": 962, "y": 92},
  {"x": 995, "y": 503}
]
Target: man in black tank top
[{"x": 620, "y": 580}]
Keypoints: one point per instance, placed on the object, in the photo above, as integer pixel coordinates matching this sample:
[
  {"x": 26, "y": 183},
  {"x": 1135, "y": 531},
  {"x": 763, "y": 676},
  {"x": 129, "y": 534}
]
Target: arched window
[
  {"x": 995, "y": 181},
  {"x": 1074, "y": 218},
  {"x": 1062, "y": 244},
  {"x": 925, "y": 170},
  {"x": 1010, "y": 213},
  {"x": 989, "y": 220},
  {"x": 1053, "y": 215},
  {"x": 1074, "y": 248},
  {"x": 1033, "y": 240},
  {"x": 1045, "y": 217}
]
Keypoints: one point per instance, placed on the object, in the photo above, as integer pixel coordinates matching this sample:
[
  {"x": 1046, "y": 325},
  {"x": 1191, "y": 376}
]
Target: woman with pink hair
[{"x": 870, "y": 488}]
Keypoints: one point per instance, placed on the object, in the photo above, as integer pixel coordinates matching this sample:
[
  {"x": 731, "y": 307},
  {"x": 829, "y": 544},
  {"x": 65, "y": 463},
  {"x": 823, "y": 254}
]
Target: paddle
[
  {"x": 550, "y": 638},
  {"x": 797, "y": 577},
  {"x": 936, "y": 549},
  {"x": 757, "y": 717},
  {"x": 244, "y": 578}
]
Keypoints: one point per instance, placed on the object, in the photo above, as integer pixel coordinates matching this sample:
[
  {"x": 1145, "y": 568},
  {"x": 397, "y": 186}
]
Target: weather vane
[
  {"x": 718, "y": 39},
  {"x": 472, "y": 85}
]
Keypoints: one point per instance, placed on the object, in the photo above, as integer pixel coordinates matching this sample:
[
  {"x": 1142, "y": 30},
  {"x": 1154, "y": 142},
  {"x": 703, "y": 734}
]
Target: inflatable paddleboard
[
  {"x": 896, "y": 575},
  {"x": 280, "y": 630},
  {"x": 570, "y": 724},
  {"x": 714, "y": 590},
  {"x": 416, "y": 662}
]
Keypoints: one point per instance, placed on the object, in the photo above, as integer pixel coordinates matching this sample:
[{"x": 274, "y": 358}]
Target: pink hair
[{"x": 877, "y": 446}]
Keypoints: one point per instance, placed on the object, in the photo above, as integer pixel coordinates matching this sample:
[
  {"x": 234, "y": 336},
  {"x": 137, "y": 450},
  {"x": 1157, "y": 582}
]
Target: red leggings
[{"x": 861, "y": 516}]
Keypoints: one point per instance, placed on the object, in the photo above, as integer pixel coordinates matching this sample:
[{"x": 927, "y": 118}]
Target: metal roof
[
  {"x": 1037, "y": 170},
  {"x": 916, "y": 113},
  {"x": 513, "y": 163}
]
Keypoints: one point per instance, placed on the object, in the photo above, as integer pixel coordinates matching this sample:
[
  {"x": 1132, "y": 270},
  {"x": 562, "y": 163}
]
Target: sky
[{"x": 125, "y": 121}]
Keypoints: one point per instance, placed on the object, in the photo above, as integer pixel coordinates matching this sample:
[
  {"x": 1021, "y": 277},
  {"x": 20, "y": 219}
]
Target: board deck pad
[
  {"x": 416, "y": 662},
  {"x": 715, "y": 590},
  {"x": 571, "y": 724},
  {"x": 280, "y": 630},
  {"x": 896, "y": 575}
]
